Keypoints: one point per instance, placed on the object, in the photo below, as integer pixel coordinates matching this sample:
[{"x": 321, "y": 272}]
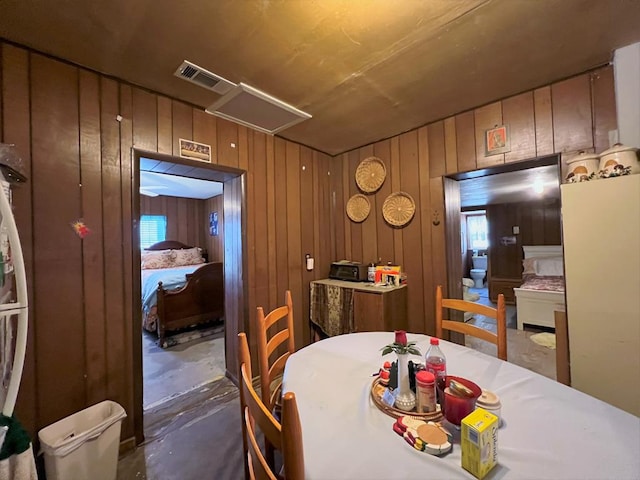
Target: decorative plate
[
  {"x": 398, "y": 209},
  {"x": 358, "y": 208},
  {"x": 370, "y": 174}
]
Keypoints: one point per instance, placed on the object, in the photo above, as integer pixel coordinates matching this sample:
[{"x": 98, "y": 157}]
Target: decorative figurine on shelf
[{"x": 405, "y": 399}]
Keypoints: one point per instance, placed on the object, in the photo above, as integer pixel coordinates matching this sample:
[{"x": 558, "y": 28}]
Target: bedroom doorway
[{"x": 196, "y": 361}]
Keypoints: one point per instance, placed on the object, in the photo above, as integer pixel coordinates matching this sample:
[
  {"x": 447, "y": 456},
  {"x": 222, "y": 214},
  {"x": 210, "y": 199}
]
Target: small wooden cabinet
[{"x": 338, "y": 307}]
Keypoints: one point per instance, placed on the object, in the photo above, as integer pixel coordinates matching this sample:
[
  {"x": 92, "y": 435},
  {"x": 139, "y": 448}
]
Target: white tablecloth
[{"x": 549, "y": 430}]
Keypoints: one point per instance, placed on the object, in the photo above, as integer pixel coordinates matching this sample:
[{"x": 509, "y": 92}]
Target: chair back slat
[{"x": 499, "y": 314}]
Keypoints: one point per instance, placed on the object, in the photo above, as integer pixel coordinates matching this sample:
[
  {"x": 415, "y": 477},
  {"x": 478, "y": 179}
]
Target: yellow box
[{"x": 479, "y": 442}]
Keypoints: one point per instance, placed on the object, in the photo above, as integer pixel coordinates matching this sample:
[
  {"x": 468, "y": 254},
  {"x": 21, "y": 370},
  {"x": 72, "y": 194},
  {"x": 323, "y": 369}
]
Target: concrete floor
[{"x": 196, "y": 435}]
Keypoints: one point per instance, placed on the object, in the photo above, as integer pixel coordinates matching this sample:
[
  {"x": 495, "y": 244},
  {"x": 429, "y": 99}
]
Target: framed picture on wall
[
  {"x": 213, "y": 224},
  {"x": 195, "y": 150},
  {"x": 496, "y": 140}
]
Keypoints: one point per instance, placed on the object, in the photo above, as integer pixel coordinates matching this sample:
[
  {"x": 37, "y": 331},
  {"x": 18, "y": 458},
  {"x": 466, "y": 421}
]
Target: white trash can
[{"x": 84, "y": 445}]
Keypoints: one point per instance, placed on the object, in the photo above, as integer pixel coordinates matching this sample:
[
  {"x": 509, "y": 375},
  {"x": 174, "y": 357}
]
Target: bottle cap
[
  {"x": 488, "y": 399},
  {"x": 425, "y": 377},
  {"x": 434, "y": 341}
]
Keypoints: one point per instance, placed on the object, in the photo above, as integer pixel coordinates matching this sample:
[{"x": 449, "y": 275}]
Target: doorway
[{"x": 234, "y": 244}]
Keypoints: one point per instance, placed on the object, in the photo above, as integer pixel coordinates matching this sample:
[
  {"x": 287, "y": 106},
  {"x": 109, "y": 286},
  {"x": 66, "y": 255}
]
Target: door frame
[{"x": 235, "y": 259}]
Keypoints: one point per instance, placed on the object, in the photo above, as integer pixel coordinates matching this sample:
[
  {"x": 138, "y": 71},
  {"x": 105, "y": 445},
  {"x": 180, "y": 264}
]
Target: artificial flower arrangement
[{"x": 400, "y": 346}]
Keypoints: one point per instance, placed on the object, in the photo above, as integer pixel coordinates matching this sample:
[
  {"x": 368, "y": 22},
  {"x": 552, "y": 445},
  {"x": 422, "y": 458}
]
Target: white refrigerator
[{"x": 601, "y": 237}]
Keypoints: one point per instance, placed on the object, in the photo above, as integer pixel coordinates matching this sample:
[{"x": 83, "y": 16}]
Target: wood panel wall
[
  {"x": 567, "y": 116},
  {"x": 63, "y": 120},
  {"x": 539, "y": 224},
  {"x": 214, "y": 244},
  {"x": 187, "y": 220}
]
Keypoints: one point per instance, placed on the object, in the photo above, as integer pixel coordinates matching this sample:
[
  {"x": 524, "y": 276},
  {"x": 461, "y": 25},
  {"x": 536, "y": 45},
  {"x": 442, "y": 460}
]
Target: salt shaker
[{"x": 425, "y": 392}]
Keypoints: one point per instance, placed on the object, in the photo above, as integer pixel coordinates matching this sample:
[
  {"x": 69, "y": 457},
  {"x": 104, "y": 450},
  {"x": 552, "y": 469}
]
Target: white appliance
[{"x": 601, "y": 237}]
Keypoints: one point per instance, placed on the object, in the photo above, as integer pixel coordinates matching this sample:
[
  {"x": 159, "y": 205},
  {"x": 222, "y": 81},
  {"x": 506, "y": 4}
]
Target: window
[
  {"x": 477, "y": 232},
  {"x": 153, "y": 229}
]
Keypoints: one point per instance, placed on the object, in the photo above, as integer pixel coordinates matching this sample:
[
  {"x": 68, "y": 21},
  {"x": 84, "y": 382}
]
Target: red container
[{"x": 455, "y": 407}]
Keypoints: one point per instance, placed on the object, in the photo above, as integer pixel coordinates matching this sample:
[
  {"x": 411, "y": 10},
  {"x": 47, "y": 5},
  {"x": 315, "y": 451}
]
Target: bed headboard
[
  {"x": 538, "y": 251},
  {"x": 168, "y": 245}
]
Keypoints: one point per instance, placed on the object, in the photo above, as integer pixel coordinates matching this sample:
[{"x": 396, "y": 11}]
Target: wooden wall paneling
[
  {"x": 282, "y": 222},
  {"x": 537, "y": 217},
  {"x": 450, "y": 145},
  {"x": 337, "y": 205},
  {"x": 16, "y": 129},
  {"x": 92, "y": 248},
  {"x": 485, "y": 118},
  {"x": 184, "y": 229},
  {"x": 128, "y": 244},
  {"x": 165, "y": 126},
  {"x": 396, "y": 186},
  {"x": 181, "y": 124},
  {"x": 438, "y": 246},
  {"x": 323, "y": 232},
  {"x": 306, "y": 170},
  {"x": 260, "y": 219},
  {"x": 384, "y": 233},
  {"x": 121, "y": 334},
  {"x": 171, "y": 211},
  {"x": 227, "y": 142},
  {"x": 466, "y": 141},
  {"x": 214, "y": 244},
  {"x": 412, "y": 260},
  {"x": 293, "y": 213},
  {"x": 245, "y": 148},
  {"x": 604, "y": 107},
  {"x": 356, "y": 228},
  {"x": 342, "y": 214},
  {"x": 57, "y": 249},
  {"x": 145, "y": 120},
  {"x": 572, "y": 116},
  {"x": 552, "y": 223},
  {"x": 236, "y": 318},
  {"x": 423, "y": 209},
  {"x": 437, "y": 152},
  {"x": 543, "y": 121},
  {"x": 518, "y": 113},
  {"x": 205, "y": 130},
  {"x": 369, "y": 226},
  {"x": 272, "y": 218}
]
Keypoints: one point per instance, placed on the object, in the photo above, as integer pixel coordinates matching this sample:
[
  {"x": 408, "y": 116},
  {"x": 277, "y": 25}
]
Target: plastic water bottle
[{"x": 436, "y": 363}]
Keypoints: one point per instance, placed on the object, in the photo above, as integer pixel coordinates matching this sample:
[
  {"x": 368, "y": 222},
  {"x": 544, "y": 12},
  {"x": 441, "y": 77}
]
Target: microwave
[{"x": 350, "y": 271}]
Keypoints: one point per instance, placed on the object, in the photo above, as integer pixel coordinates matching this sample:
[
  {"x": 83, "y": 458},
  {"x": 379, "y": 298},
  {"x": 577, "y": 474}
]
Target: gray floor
[{"x": 197, "y": 436}]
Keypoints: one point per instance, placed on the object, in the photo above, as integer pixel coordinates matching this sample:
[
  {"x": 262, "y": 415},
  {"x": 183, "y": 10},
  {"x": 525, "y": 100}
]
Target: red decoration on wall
[{"x": 80, "y": 228}]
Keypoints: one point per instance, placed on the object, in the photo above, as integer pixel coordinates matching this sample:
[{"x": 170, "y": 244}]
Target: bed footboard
[{"x": 201, "y": 300}]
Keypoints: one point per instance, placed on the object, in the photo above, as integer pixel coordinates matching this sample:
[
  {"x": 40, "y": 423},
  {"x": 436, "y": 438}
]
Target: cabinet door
[{"x": 368, "y": 311}]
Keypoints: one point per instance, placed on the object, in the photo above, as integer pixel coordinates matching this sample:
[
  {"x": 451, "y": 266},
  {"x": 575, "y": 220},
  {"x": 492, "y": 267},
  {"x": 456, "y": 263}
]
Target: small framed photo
[
  {"x": 213, "y": 224},
  {"x": 195, "y": 150},
  {"x": 496, "y": 140}
]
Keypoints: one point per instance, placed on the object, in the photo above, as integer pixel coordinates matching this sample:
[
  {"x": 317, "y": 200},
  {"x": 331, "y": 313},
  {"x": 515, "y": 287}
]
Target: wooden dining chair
[
  {"x": 285, "y": 435},
  {"x": 499, "y": 314}
]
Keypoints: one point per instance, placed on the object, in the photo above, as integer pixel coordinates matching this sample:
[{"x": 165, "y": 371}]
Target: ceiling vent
[
  {"x": 198, "y": 75},
  {"x": 253, "y": 108}
]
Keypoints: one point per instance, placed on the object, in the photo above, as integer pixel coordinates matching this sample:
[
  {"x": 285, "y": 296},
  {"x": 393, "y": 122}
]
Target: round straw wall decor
[
  {"x": 398, "y": 209},
  {"x": 370, "y": 174},
  {"x": 358, "y": 208}
]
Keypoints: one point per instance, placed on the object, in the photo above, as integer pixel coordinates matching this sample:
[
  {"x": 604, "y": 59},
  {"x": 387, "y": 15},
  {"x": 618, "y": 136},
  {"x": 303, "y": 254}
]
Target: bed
[
  {"x": 179, "y": 289},
  {"x": 542, "y": 289}
]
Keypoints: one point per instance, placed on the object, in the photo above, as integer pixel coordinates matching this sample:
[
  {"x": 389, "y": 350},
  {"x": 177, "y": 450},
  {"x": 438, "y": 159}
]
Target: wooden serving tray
[{"x": 377, "y": 389}]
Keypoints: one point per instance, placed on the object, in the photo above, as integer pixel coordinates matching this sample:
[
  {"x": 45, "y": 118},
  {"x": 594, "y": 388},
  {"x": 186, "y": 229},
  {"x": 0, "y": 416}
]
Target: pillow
[
  {"x": 528, "y": 265},
  {"x": 157, "y": 259},
  {"x": 187, "y": 256},
  {"x": 549, "y": 267}
]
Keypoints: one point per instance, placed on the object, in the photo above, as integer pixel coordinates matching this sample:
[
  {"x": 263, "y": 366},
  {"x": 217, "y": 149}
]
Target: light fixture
[{"x": 253, "y": 108}]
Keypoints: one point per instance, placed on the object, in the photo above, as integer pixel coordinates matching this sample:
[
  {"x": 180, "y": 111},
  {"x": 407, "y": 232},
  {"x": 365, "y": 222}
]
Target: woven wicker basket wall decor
[
  {"x": 358, "y": 208},
  {"x": 370, "y": 174},
  {"x": 398, "y": 209}
]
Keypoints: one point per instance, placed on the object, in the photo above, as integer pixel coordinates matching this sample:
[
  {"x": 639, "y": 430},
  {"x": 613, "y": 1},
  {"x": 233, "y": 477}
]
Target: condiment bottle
[
  {"x": 425, "y": 392},
  {"x": 436, "y": 363},
  {"x": 490, "y": 402},
  {"x": 371, "y": 272}
]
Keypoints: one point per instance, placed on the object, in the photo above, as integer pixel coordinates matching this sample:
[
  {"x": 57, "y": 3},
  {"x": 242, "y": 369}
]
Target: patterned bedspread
[
  {"x": 171, "y": 279},
  {"x": 534, "y": 282}
]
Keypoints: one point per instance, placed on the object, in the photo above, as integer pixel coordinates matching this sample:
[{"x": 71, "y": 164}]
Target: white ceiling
[{"x": 154, "y": 184}]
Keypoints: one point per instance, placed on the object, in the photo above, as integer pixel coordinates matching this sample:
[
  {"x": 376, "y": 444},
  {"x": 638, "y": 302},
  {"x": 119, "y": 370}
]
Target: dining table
[{"x": 548, "y": 430}]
